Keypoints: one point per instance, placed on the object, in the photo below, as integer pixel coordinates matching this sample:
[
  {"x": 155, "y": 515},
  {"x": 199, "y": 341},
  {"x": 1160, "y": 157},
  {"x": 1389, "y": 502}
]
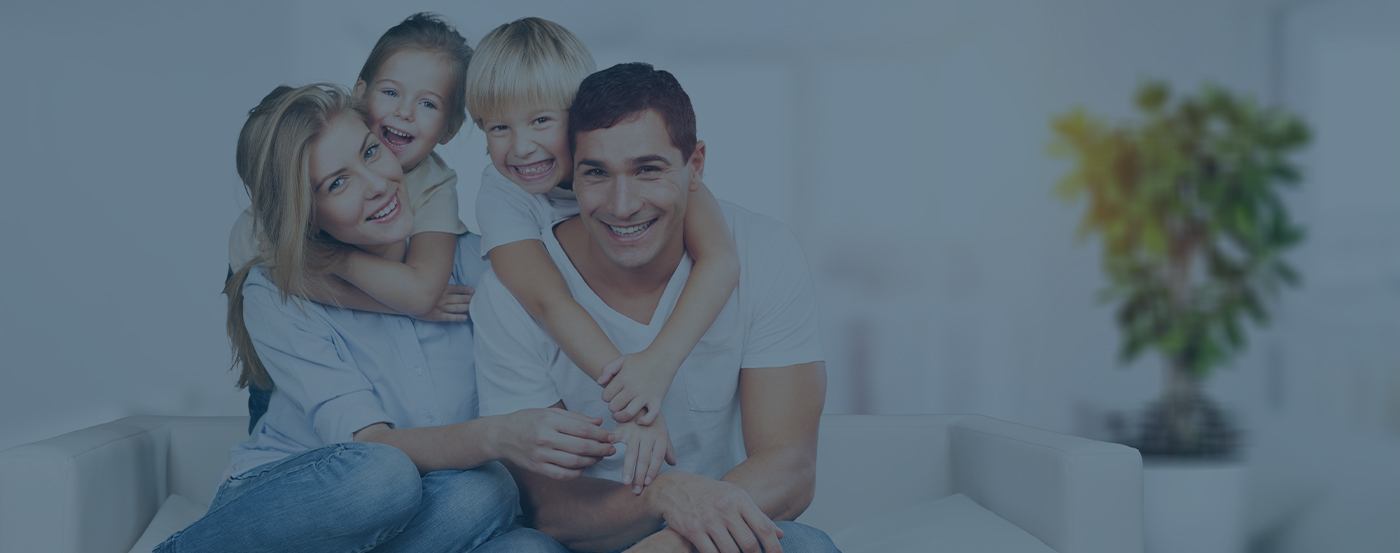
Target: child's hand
[
  {"x": 647, "y": 447},
  {"x": 634, "y": 385},
  {"x": 452, "y": 306}
]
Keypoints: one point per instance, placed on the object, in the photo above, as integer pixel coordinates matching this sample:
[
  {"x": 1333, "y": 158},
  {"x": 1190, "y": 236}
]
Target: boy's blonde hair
[
  {"x": 527, "y": 62},
  {"x": 273, "y": 160}
]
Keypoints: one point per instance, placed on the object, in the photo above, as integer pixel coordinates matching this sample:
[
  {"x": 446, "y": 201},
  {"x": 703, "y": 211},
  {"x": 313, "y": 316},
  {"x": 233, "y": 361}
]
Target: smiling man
[{"x": 744, "y": 408}]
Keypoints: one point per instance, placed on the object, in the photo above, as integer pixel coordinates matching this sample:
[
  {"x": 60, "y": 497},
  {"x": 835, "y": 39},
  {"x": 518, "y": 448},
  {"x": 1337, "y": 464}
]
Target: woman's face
[{"x": 357, "y": 186}]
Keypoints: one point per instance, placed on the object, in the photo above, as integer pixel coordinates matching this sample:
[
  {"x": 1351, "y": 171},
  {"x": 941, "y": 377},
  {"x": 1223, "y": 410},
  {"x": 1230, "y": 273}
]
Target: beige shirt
[{"x": 432, "y": 195}]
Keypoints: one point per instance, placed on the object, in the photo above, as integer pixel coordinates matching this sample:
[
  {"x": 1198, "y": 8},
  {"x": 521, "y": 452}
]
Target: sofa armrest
[
  {"x": 89, "y": 491},
  {"x": 1076, "y": 495}
]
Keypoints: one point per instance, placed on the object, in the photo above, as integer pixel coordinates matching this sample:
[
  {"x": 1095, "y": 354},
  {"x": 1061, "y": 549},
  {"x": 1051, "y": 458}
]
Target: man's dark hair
[{"x": 627, "y": 89}]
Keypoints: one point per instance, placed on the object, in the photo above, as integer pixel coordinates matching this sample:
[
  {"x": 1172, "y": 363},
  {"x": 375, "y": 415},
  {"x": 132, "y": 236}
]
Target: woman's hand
[
  {"x": 553, "y": 442},
  {"x": 452, "y": 307},
  {"x": 647, "y": 448}
]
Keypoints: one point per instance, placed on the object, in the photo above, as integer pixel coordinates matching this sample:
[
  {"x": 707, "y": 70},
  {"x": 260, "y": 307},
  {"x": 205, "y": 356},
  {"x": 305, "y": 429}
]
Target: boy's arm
[
  {"x": 711, "y": 282},
  {"x": 525, "y": 269},
  {"x": 412, "y": 287}
]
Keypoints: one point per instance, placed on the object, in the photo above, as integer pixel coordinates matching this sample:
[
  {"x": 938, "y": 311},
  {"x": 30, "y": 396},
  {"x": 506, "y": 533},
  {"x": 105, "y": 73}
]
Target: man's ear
[
  {"x": 697, "y": 164},
  {"x": 359, "y": 91}
]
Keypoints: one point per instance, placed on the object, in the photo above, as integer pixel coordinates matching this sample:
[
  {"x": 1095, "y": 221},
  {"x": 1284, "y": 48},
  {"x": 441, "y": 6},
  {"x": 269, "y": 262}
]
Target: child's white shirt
[{"x": 507, "y": 213}]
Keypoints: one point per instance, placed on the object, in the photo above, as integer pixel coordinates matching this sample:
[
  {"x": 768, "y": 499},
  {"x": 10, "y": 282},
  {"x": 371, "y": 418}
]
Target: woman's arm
[{"x": 525, "y": 269}]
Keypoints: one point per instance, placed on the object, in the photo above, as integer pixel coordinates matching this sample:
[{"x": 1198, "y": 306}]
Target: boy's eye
[
  {"x": 542, "y": 119},
  {"x": 496, "y": 128},
  {"x": 429, "y": 104}
]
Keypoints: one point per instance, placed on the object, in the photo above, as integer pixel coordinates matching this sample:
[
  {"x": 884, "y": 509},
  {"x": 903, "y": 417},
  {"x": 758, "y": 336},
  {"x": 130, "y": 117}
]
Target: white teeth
[
  {"x": 398, "y": 133},
  {"x": 393, "y": 204},
  {"x": 628, "y": 231},
  {"x": 533, "y": 169}
]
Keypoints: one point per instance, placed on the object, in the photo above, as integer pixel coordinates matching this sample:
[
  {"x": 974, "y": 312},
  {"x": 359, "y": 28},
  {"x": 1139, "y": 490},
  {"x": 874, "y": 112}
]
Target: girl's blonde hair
[
  {"x": 273, "y": 160},
  {"x": 527, "y": 62}
]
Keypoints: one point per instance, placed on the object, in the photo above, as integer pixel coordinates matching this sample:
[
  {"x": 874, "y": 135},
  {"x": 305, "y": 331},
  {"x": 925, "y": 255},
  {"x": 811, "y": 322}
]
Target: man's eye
[
  {"x": 594, "y": 172},
  {"x": 370, "y": 151},
  {"x": 390, "y": 93},
  {"x": 648, "y": 170}
]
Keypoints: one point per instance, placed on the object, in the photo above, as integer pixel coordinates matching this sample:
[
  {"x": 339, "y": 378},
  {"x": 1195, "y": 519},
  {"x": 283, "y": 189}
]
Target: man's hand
[
  {"x": 635, "y": 385},
  {"x": 713, "y": 515},
  {"x": 552, "y": 442},
  {"x": 647, "y": 448},
  {"x": 452, "y": 307}
]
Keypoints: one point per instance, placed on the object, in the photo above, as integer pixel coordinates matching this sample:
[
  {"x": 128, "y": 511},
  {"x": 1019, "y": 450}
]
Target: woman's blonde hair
[
  {"x": 527, "y": 62},
  {"x": 273, "y": 160}
]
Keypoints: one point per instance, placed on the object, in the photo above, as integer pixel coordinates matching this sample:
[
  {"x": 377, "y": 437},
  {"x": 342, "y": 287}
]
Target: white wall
[{"x": 906, "y": 144}]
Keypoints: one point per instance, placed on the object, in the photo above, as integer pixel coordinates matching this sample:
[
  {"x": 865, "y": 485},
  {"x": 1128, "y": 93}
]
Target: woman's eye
[
  {"x": 370, "y": 151},
  {"x": 335, "y": 184}
]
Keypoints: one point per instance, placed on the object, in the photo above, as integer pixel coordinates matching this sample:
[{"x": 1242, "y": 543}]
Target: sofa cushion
[
  {"x": 954, "y": 523},
  {"x": 174, "y": 515}
]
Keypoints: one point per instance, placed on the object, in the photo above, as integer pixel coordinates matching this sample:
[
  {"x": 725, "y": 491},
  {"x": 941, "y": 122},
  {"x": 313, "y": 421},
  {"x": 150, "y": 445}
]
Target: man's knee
[{"x": 800, "y": 538}]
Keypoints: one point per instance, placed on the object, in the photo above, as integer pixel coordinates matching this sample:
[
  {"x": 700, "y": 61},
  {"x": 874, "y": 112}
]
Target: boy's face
[
  {"x": 633, "y": 186},
  {"x": 357, "y": 186},
  {"x": 530, "y": 146},
  {"x": 407, "y": 104}
]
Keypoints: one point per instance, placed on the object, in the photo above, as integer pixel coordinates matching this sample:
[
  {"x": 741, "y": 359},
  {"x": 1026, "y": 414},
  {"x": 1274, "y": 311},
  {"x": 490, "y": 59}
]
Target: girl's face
[
  {"x": 357, "y": 186},
  {"x": 530, "y": 146},
  {"x": 407, "y": 104}
]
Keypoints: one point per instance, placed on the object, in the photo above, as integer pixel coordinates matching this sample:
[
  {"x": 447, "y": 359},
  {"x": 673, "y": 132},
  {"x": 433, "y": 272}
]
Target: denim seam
[{"x": 258, "y": 481}]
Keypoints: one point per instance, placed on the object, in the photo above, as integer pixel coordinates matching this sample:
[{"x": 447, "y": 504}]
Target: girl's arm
[
  {"x": 711, "y": 282},
  {"x": 526, "y": 270},
  {"x": 413, "y": 287},
  {"x": 552, "y": 442}
]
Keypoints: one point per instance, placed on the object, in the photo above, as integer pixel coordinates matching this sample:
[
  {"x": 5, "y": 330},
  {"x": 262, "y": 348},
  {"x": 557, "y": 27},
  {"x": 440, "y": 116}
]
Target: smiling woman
[{"x": 372, "y": 438}]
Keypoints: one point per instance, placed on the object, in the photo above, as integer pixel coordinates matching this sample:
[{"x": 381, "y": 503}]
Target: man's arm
[{"x": 781, "y": 412}]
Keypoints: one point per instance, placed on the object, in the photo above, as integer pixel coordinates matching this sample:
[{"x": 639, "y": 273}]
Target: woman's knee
[
  {"x": 481, "y": 500},
  {"x": 380, "y": 483}
]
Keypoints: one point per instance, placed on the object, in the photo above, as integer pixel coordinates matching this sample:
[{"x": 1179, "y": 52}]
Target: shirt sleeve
[
  {"x": 513, "y": 355},
  {"x": 310, "y": 364},
  {"x": 507, "y": 213},
  {"x": 242, "y": 243},
  {"x": 469, "y": 265},
  {"x": 784, "y": 329},
  {"x": 434, "y": 199}
]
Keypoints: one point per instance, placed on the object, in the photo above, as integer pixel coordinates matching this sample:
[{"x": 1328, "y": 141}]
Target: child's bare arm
[
  {"x": 413, "y": 287},
  {"x": 712, "y": 281},
  {"x": 526, "y": 270}
]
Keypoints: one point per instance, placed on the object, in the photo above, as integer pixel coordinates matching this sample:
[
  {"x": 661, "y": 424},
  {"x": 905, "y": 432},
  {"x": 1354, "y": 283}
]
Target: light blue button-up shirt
[{"x": 339, "y": 370}]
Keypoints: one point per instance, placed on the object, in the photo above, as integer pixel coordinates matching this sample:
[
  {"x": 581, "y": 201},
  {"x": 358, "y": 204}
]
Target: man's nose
[{"x": 623, "y": 202}]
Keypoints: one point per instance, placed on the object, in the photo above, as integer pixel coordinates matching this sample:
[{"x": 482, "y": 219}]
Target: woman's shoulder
[
  {"x": 469, "y": 264},
  {"x": 263, "y": 300}
]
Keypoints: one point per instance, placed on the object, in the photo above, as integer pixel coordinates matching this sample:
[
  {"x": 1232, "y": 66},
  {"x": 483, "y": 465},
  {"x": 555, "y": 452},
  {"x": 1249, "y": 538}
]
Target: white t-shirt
[
  {"x": 770, "y": 321},
  {"x": 507, "y": 213}
]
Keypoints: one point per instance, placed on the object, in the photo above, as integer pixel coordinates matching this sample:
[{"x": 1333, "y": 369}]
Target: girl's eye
[
  {"x": 335, "y": 184},
  {"x": 390, "y": 92},
  {"x": 370, "y": 151},
  {"x": 429, "y": 104}
]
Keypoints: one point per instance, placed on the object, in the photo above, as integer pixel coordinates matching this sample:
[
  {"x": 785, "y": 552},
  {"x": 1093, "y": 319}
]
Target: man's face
[{"x": 632, "y": 187}]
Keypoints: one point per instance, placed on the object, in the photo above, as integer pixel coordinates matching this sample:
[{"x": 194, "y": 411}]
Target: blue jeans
[{"x": 353, "y": 497}]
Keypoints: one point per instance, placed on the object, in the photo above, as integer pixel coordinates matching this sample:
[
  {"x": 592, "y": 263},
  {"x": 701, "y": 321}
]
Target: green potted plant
[{"x": 1188, "y": 205}]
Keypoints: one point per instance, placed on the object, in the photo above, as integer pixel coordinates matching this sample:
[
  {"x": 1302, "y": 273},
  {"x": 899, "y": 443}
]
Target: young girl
[
  {"x": 412, "y": 86},
  {"x": 372, "y": 439},
  {"x": 519, "y": 87}
]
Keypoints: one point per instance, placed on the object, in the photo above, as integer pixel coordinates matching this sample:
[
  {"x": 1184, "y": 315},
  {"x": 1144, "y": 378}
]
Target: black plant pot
[{"x": 1185, "y": 424}]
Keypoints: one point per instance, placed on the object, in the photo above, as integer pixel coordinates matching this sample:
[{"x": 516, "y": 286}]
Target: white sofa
[{"x": 885, "y": 483}]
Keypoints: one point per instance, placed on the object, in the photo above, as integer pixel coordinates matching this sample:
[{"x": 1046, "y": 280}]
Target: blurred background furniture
[{"x": 887, "y": 483}]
